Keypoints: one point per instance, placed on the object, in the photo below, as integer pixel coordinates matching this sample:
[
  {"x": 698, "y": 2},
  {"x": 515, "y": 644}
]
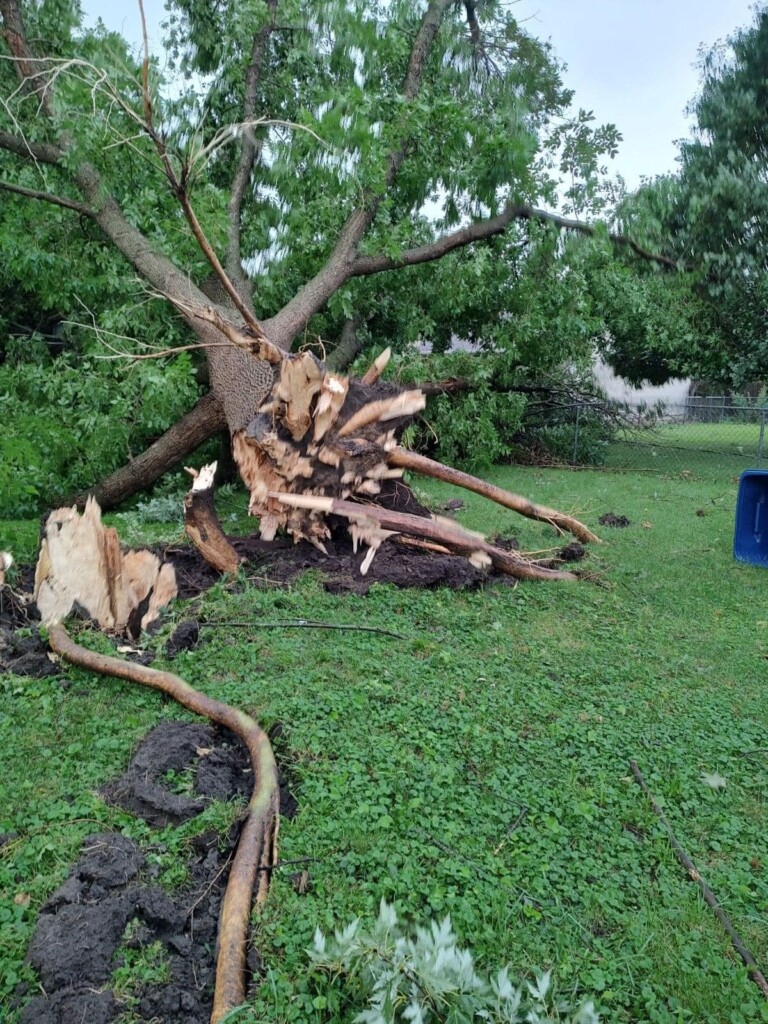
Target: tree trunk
[
  {"x": 183, "y": 438},
  {"x": 349, "y": 347}
]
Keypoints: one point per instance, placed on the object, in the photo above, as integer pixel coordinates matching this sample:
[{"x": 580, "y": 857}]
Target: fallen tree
[{"x": 295, "y": 426}]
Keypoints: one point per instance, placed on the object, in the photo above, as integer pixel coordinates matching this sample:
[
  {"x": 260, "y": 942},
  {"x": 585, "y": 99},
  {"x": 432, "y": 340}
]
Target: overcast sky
[{"x": 632, "y": 62}]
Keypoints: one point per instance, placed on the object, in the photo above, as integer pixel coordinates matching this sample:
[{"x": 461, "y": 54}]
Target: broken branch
[
  {"x": 202, "y": 523},
  {"x": 709, "y": 897}
]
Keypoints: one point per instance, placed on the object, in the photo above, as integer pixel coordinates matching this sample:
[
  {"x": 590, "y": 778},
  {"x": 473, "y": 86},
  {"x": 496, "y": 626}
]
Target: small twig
[
  {"x": 512, "y": 827},
  {"x": 289, "y": 863},
  {"x": 306, "y": 624},
  {"x": 709, "y": 897}
]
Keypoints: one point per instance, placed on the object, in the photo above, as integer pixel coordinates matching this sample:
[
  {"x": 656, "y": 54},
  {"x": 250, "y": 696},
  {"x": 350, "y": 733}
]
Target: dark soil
[
  {"x": 573, "y": 552},
  {"x": 183, "y": 638},
  {"x": 611, "y": 519},
  {"x": 83, "y": 925},
  {"x": 280, "y": 561}
]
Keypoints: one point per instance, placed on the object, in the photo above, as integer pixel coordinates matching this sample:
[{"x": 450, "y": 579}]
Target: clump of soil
[
  {"x": 25, "y": 655},
  {"x": 184, "y": 638},
  {"x": 573, "y": 552},
  {"x": 110, "y": 901},
  {"x": 611, "y": 519},
  {"x": 280, "y": 561}
]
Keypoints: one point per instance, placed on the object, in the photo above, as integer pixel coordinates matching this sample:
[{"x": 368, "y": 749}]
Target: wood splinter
[{"x": 202, "y": 524}]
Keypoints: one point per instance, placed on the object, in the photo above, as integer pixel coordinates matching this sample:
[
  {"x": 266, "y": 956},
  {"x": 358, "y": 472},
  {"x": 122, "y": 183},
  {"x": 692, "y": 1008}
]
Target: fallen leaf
[
  {"x": 203, "y": 751},
  {"x": 21, "y": 899},
  {"x": 53, "y": 657},
  {"x": 714, "y": 780},
  {"x": 646, "y": 525}
]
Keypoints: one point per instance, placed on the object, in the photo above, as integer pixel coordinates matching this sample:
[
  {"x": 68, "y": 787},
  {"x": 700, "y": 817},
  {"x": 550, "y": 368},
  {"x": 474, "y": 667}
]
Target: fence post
[
  {"x": 576, "y": 435},
  {"x": 761, "y": 442}
]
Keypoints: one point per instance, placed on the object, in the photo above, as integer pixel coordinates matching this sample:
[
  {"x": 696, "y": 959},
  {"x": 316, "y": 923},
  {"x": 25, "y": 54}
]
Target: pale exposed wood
[
  {"x": 428, "y": 467},
  {"x": 453, "y": 537},
  {"x": 6, "y": 561},
  {"x": 405, "y": 404},
  {"x": 332, "y": 397},
  {"x": 202, "y": 523},
  {"x": 301, "y": 377},
  {"x": 81, "y": 567},
  {"x": 377, "y": 367}
]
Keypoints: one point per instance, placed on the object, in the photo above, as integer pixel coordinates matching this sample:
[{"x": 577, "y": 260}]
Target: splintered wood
[
  {"x": 322, "y": 435},
  {"x": 82, "y": 569},
  {"x": 324, "y": 445}
]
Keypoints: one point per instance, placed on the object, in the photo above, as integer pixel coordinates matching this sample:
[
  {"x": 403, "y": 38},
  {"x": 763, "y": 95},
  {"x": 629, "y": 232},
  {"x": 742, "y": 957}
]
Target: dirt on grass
[
  {"x": 111, "y": 904},
  {"x": 611, "y": 519}
]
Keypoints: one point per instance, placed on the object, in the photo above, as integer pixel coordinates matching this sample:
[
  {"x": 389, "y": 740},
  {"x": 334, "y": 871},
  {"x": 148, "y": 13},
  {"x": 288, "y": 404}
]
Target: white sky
[{"x": 631, "y": 62}]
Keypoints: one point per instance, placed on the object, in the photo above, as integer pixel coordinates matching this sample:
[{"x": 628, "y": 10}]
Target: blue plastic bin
[{"x": 750, "y": 538}]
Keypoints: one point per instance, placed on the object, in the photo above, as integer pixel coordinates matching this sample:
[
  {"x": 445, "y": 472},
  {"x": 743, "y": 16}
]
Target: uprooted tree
[
  {"x": 262, "y": 229},
  {"x": 349, "y": 122}
]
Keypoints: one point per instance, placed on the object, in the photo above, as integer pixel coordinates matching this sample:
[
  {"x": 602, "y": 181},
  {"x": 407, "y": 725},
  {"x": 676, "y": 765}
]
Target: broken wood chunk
[
  {"x": 202, "y": 524},
  {"x": 6, "y": 561},
  {"x": 377, "y": 367},
  {"x": 82, "y": 569},
  {"x": 301, "y": 377},
  {"x": 405, "y": 404}
]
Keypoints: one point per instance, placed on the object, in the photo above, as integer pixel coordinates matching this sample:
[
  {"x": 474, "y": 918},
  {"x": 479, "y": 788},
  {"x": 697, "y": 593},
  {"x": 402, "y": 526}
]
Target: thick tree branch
[
  {"x": 47, "y": 197},
  {"x": 350, "y": 345},
  {"x": 484, "y": 229},
  {"x": 39, "y": 152},
  {"x": 204, "y": 421},
  {"x": 250, "y": 147},
  {"x": 13, "y": 30},
  {"x": 312, "y": 297}
]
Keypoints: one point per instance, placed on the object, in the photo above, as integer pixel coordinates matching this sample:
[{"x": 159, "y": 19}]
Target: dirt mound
[
  {"x": 280, "y": 561},
  {"x": 109, "y": 900},
  {"x": 611, "y": 519}
]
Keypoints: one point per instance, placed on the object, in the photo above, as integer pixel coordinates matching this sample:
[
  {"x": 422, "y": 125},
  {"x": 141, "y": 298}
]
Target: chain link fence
[{"x": 714, "y": 435}]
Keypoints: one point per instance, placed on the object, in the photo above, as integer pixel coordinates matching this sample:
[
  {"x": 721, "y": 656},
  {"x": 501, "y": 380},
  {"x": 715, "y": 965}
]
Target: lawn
[
  {"x": 478, "y": 766},
  {"x": 717, "y": 450}
]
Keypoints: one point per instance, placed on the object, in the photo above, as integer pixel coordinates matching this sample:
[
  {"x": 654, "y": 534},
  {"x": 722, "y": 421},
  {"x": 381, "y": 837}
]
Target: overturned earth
[{"x": 111, "y": 903}]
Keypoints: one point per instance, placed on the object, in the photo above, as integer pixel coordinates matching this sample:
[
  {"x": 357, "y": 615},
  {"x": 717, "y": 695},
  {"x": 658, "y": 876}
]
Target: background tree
[{"x": 713, "y": 216}]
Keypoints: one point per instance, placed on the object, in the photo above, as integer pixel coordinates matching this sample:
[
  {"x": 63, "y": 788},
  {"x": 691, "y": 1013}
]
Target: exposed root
[
  {"x": 326, "y": 438},
  {"x": 374, "y": 524},
  {"x": 202, "y": 522},
  {"x": 377, "y": 367},
  {"x": 403, "y": 459},
  {"x": 257, "y": 849}
]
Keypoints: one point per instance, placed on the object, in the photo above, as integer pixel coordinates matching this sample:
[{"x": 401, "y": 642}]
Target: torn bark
[{"x": 202, "y": 523}]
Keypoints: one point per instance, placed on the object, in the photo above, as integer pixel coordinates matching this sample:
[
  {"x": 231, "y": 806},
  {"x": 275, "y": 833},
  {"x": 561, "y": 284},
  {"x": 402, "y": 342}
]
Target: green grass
[
  {"x": 413, "y": 758},
  {"x": 715, "y": 451}
]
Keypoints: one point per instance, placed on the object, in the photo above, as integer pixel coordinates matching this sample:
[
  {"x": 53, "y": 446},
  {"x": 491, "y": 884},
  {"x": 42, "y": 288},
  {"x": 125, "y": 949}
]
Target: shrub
[{"x": 425, "y": 977}]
